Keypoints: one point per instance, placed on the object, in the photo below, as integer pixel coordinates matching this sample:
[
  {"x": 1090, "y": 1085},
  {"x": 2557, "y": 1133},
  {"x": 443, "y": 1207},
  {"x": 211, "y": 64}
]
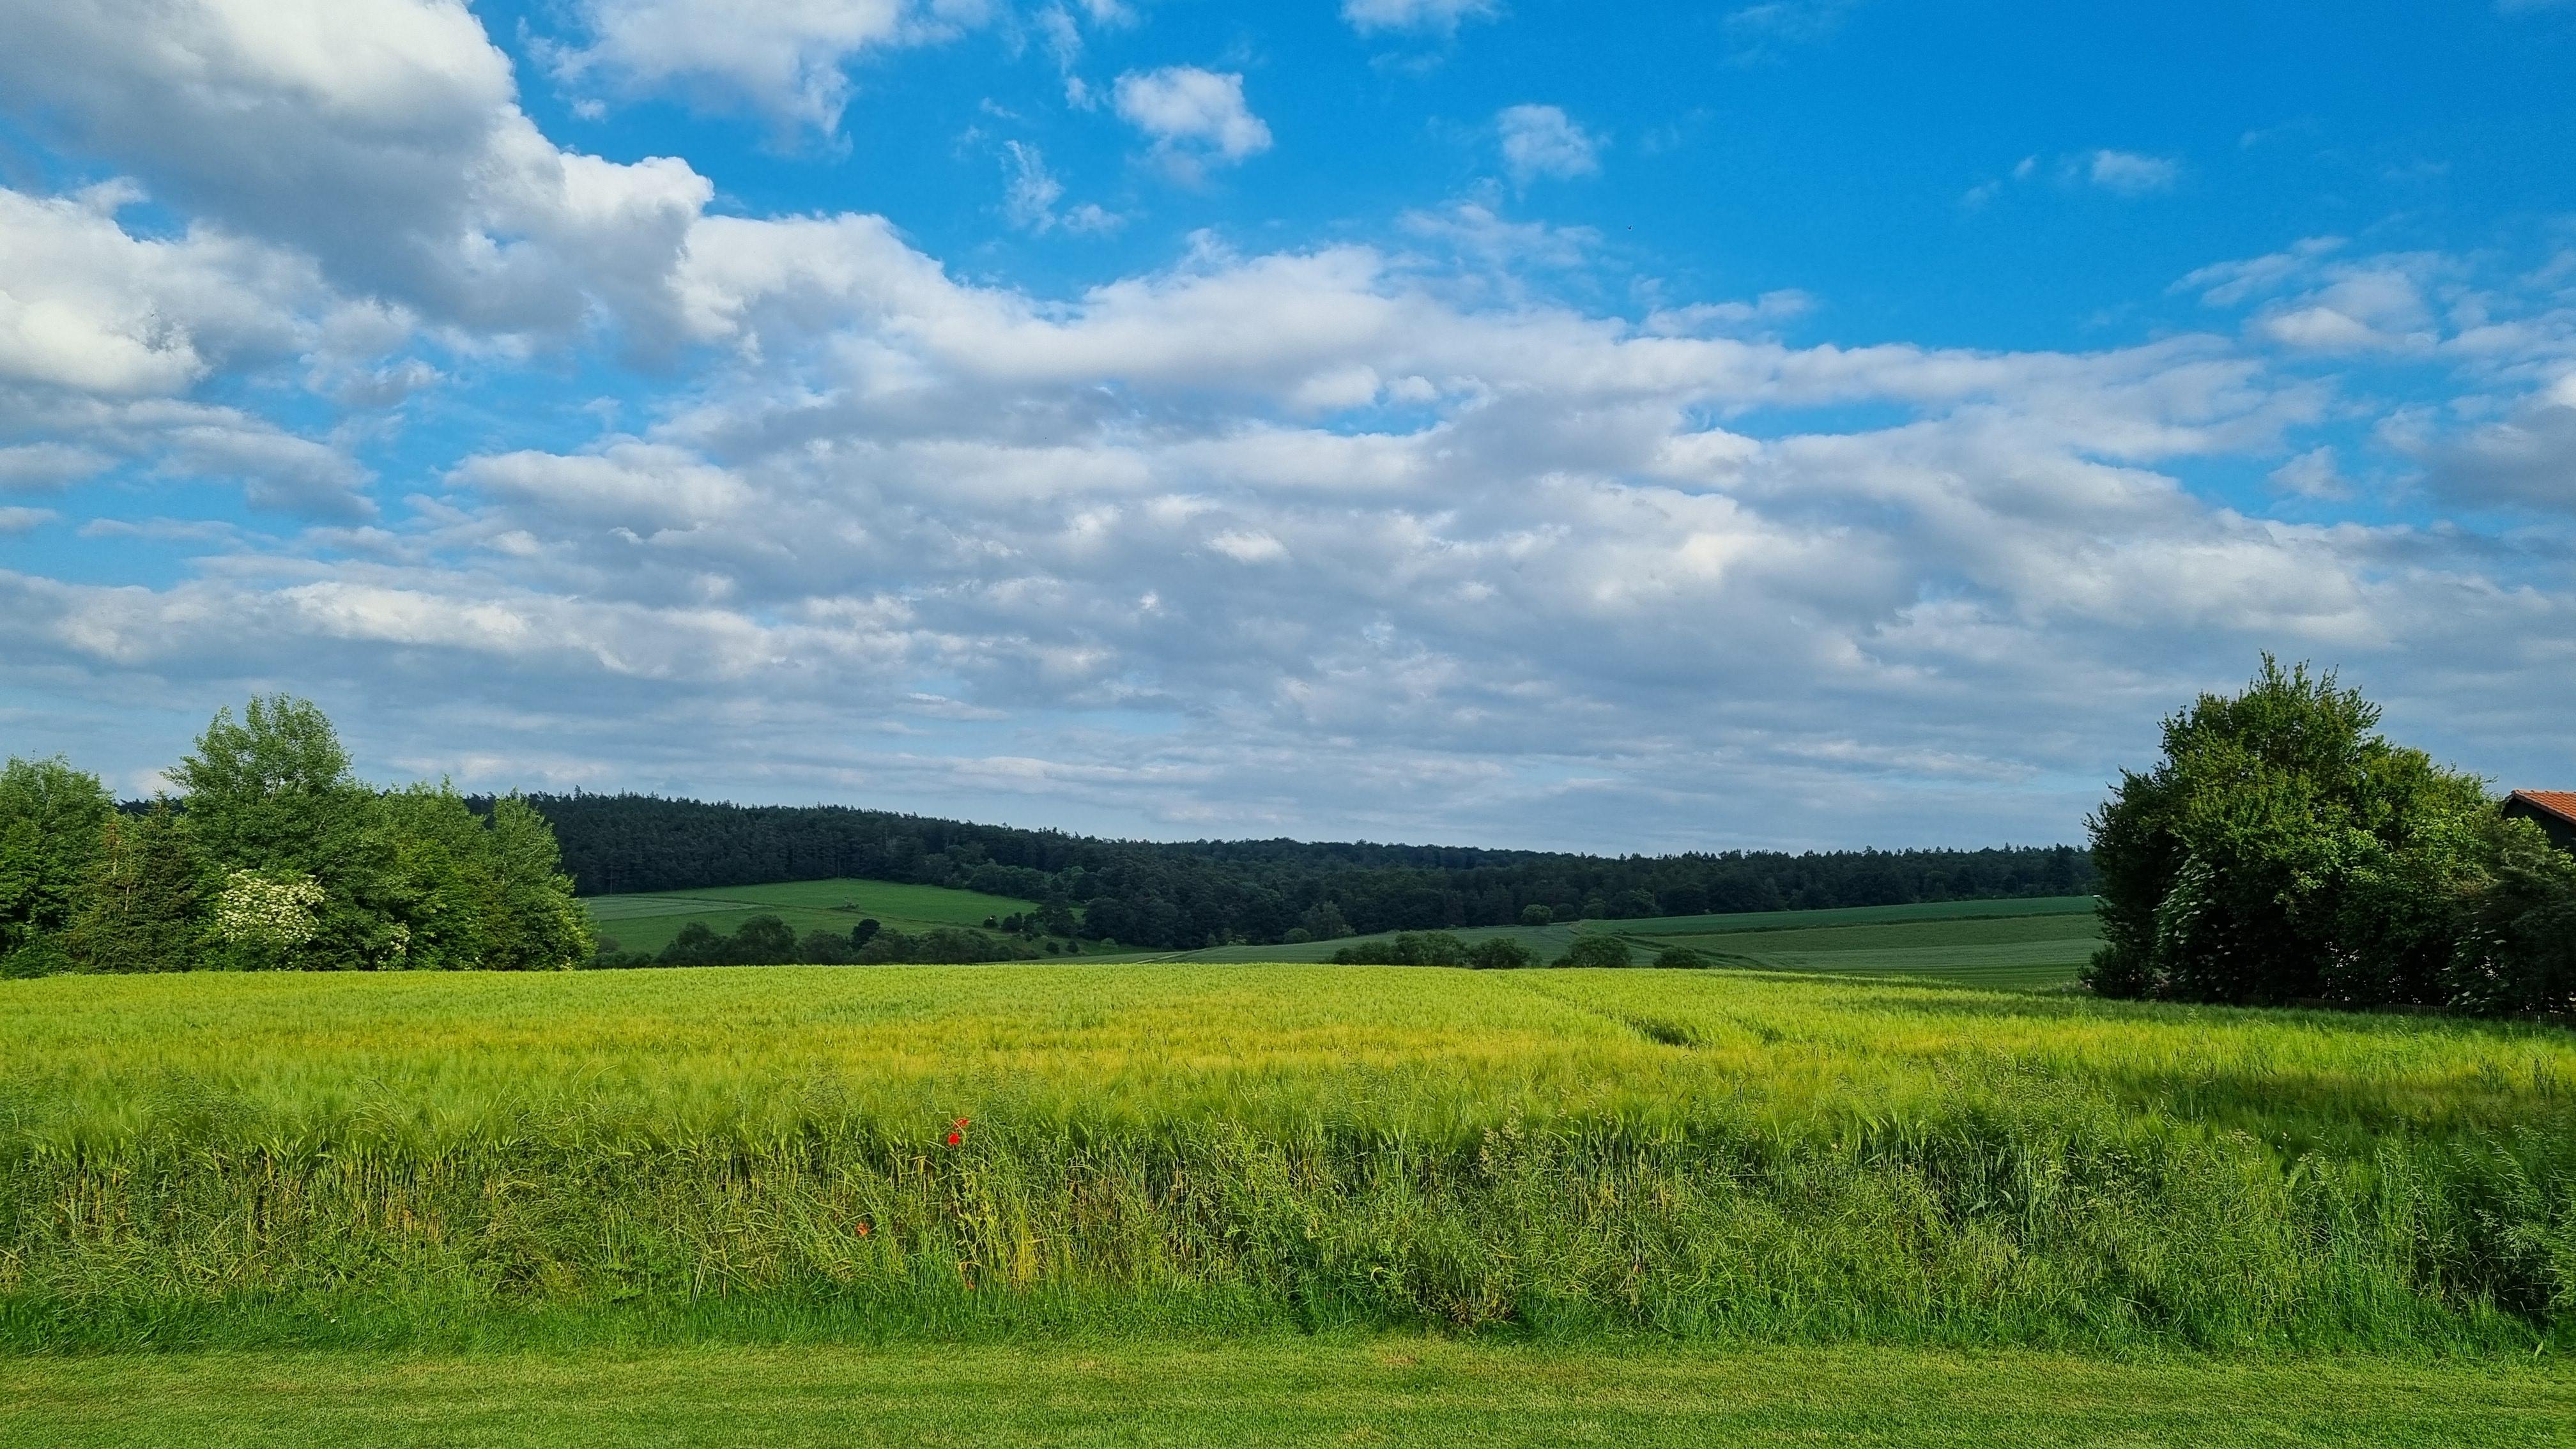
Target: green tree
[
  {"x": 2517, "y": 948},
  {"x": 1537, "y": 914},
  {"x": 273, "y": 792},
  {"x": 2284, "y": 850},
  {"x": 142, "y": 909},
  {"x": 53, "y": 824},
  {"x": 536, "y": 923},
  {"x": 1596, "y": 951},
  {"x": 1501, "y": 953},
  {"x": 762, "y": 941}
]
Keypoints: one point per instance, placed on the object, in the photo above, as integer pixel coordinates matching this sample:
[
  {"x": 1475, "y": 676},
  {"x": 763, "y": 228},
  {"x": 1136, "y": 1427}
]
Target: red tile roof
[{"x": 2561, "y": 803}]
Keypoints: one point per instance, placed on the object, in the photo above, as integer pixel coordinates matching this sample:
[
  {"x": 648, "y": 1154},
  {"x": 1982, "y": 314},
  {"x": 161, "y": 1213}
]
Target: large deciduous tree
[{"x": 2283, "y": 850}]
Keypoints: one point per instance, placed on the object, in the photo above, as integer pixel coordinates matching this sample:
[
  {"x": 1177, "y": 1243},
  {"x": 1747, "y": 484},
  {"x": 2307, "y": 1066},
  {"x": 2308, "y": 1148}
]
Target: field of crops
[
  {"x": 648, "y": 922},
  {"x": 2026, "y": 944},
  {"x": 1694, "y": 1156}
]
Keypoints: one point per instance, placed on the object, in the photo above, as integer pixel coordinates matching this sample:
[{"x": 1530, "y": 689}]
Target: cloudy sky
[{"x": 1511, "y": 422}]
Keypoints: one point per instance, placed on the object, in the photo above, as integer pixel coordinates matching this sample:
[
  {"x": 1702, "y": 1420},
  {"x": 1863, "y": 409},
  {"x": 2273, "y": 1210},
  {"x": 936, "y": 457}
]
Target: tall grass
[{"x": 762, "y": 1152}]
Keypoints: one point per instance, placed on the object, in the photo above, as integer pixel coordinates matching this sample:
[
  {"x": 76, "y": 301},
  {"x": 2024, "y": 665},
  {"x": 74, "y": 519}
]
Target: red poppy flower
[
  {"x": 960, "y": 1122},
  {"x": 956, "y": 1137}
]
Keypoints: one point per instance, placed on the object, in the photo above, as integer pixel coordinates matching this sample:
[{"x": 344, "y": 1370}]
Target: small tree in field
[{"x": 2284, "y": 850}]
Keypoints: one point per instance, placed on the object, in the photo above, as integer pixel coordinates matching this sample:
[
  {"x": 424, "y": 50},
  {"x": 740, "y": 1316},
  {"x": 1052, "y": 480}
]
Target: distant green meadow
[
  {"x": 2034, "y": 943},
  {"x": 650, "y": 922}
]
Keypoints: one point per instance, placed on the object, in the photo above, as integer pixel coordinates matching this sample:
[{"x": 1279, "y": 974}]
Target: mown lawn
[{"x": 1404, "y": 1391}]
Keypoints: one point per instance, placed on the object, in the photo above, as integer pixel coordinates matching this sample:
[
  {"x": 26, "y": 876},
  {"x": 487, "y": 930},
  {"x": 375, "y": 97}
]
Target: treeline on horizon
[{"x": 1185, "y": 895}]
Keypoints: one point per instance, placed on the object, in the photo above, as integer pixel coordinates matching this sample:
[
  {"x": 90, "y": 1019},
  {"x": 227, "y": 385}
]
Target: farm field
[
  {"x": 465, "y": 1159},
  {"x": 2024, "y": 944},
  {"x": 1392, "y": 1390},
  {"x": 649, "y": 922}
]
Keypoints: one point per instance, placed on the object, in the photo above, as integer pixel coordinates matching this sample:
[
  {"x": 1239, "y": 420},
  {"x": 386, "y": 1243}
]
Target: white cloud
[
  {"x": 1440, "y": 17},
  {"x": 1325, "y": 540},
  {"x": 784, "y": 57},
  {"x": 2313, "y": 474},
  {"x": 48, "y": 465},
  {"x": 85, "y": 305},
  {"x": 2130, "y": 173},
  {"x": 24, "y": 520},
  {"x": 1541, "y": 141},
  {"x": 390, "y": 149},
  {"x": 1030, "y": 193},
  {"x": 1192, "y": 115}
]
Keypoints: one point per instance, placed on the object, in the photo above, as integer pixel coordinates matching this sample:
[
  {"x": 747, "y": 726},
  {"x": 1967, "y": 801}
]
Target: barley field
[{"x": 1008, "y": 1152}]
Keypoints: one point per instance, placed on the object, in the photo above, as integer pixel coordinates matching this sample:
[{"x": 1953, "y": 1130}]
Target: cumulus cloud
[
  {"x": 2131, "y": 173},
  {"x": 783, "y": 57},
  {"x": 1194, "y": 117},
  {"x": 1542, "y": 141},
  {"x": 1346, "y": 539},
  {"x": 85, "y": 305},
  {"x": 1440, "y": 17},
  {"x": 390, "y": 148}
]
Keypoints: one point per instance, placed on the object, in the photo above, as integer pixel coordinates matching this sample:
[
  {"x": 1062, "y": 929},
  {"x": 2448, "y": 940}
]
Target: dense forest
[{"x": 1200, "y": 893}]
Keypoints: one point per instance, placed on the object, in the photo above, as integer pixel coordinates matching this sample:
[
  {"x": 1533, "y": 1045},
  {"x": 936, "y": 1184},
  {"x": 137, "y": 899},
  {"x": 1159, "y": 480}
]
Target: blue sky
[{"x": 1817, "y": 422}]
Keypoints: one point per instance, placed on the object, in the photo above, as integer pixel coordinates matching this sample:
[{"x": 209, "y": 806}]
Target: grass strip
[{"x": 1381, "y": 1391}]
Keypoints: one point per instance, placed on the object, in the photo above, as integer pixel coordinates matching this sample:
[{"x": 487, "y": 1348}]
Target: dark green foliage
[
  {"x": 52, "y": 819},
  {"x": 1183, "y": 896},
  {"x": 767, "y": 941},
  {"x": 1681, "y": 958},
  {"x": 1597, "y": 951},
  {"x": 1500, "y": 953},
  {"x": 826, "y": 948},
  {"x": 764, "y": 941},
  {"x": 1411, "y": 948},
  {"x": 2284, "y": 851},
  {"x": 942, "y": 946},
  {"x": 2517, "y": 947},
  {"x": 142, "y": 907},
  {"x": 276, "y": 858}
]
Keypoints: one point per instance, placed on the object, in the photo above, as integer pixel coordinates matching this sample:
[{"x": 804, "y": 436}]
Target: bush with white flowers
[{"x": 268, "y": 910}]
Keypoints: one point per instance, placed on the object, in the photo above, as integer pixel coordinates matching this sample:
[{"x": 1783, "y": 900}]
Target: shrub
[
  {"x": 1500, "y": 953},
  {"x": 1411, "y": 948},
  {"x": 1596, "y": 951},
  {"x": 1681, "y": 958}
]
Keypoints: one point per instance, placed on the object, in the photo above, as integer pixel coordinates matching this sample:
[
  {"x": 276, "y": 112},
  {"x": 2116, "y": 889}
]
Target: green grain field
[
  {"x": 649, "y": 922},
  {"x": 256, "y": 1161}
]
